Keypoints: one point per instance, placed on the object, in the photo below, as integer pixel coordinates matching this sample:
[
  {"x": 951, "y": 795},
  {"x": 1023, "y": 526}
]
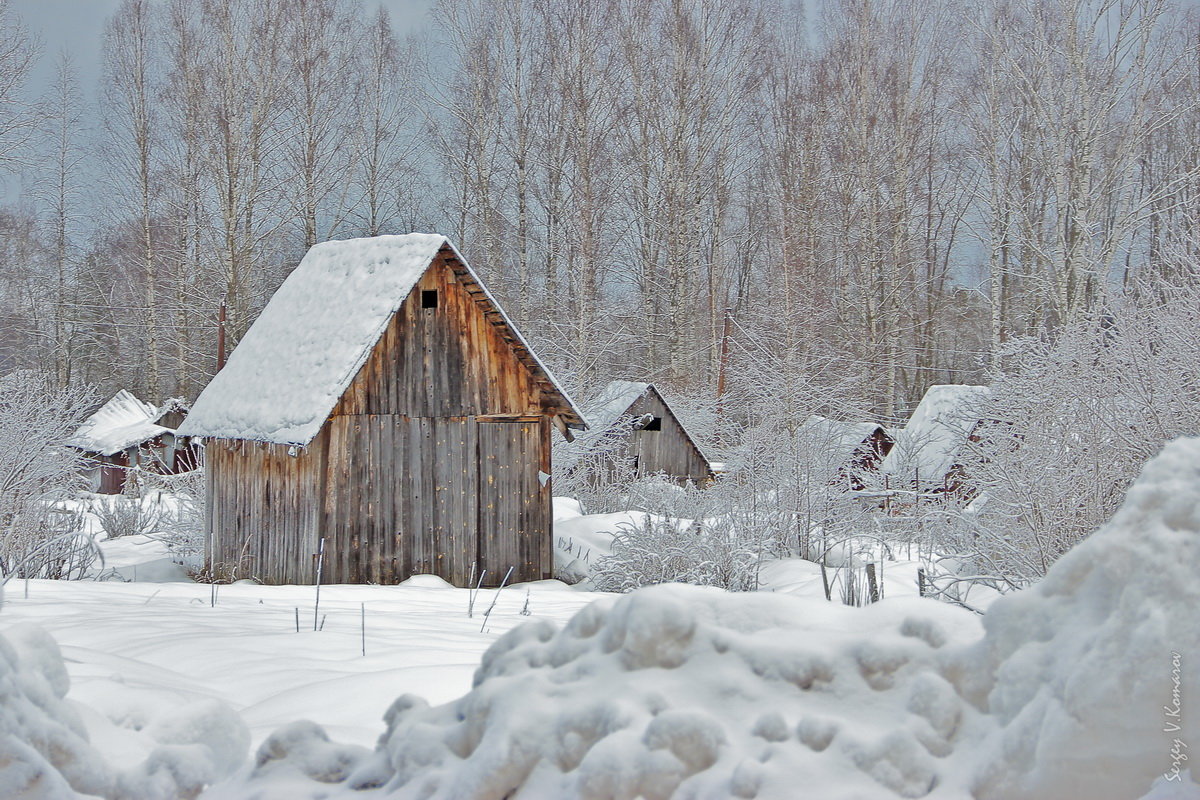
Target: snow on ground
[
  {"x": 1068, "y": 689},
  {"x": 166, "y": 644},
  {"x": 581, "y": 541}
]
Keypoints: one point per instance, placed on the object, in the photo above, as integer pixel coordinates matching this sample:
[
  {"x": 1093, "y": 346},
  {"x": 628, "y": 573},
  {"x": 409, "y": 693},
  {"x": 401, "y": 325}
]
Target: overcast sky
[{"x": 78, "y": 25}]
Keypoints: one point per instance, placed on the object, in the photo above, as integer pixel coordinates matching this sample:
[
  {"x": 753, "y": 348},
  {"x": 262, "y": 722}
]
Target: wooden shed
[
  {"x": 384, "y": 404},
  {"x": 123, "y": 434},
  {"x": 630, "y": 423}
]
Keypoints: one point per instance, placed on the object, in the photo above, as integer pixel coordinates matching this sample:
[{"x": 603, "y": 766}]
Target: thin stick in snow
[
  {"x": 320, "y": 565},
  {"x": 363, "y": 609},
  {"x": 470, "y": 583},
  {"x": 297, "y": 619},
  {"x": 495, "y": 597},
  {"x": 473, "y": 593}
]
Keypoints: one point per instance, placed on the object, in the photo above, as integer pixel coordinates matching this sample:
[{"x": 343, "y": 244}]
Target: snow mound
[
  {"x": 44, "y": 747},
  {"x": 44, "y": 752},
  {"x": 679, "y": 691},
  {"x": 1085, "y": 671},
  {"x": 582, "y": 540}
]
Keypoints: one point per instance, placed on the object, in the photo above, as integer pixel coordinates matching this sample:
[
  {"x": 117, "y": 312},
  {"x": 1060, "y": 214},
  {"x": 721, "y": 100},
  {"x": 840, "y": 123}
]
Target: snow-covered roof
[
  {"x": 292, "y": 366},
  {"x": 612, "y": 402},
  {"x": 124, "y": 421},
  {"x": 607, "y": 408},
  {"x": 939, "y": 427},
  {"x": 838, "y": 440}
]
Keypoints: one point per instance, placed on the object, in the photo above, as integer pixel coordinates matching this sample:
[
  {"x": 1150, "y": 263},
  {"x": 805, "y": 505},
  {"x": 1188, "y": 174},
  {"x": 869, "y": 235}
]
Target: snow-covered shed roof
[
  {"x": 939, "y": 427},
  {"x": 612, "y": 402},
  {"x": 293, "y": 365},
  {"x": 124, "y": 421},
  {"x": 838, "y": 440}
]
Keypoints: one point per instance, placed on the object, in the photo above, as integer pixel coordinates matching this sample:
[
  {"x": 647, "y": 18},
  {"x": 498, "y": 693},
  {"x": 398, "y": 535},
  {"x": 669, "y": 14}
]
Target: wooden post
[
  {"x": 921, "y": 581},
  {"x": 872, "y": 584},
  {"x": 221, "y": 337},
  {"x": 825, "y": 581},
  {"x": 722, "y": 364}
]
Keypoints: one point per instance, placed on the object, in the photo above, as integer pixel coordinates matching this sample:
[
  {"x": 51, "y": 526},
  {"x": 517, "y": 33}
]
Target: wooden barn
[
  {"x": 382, "y": 403},
  {"x": 844, "y": 453},
  {"x": 630, "y": 423},
  {"x": 126, "y": 433}
]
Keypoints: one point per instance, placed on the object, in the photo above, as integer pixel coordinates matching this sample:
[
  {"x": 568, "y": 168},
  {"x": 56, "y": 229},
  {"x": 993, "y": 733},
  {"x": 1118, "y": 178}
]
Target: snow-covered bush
[
  {"x": 181, "y": 524},
  {"x": 704, "y": 552},
  {"x": 596, "y": 468},
  {"x": 35, "y": 470},
  {"x": 120, "y": 516},
  {"x": 1066, "y": 427},
  {"x": 710, "y": 537}
]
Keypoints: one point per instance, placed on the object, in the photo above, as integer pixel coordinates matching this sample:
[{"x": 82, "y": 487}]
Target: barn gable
[{"x": 843, "y": 451}]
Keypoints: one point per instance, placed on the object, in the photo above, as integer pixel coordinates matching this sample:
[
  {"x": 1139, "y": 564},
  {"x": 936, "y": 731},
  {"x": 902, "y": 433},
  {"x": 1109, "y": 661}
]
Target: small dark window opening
[
  {"x": 654, "y": 424},
  {"x": 429, "y": 298}
]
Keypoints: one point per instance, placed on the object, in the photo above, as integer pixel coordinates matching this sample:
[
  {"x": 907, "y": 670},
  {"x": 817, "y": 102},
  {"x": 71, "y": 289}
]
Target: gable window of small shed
[
  {"x": 655, "y": 424},
  {"x": 429, "y": 298}
]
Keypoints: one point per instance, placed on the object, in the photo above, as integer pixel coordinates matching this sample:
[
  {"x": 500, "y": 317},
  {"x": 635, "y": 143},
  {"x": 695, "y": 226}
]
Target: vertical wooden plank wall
[
  {"x": 264, "y": 509},
  {"x": 669, "y": 450},
  {"x": 514, "y": 503}
]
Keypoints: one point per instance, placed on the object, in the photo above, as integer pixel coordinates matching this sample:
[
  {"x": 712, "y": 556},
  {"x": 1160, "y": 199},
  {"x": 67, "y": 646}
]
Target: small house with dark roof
[
  {"x": 631, "y": 425},
  {"x": 382, "y": 417}
]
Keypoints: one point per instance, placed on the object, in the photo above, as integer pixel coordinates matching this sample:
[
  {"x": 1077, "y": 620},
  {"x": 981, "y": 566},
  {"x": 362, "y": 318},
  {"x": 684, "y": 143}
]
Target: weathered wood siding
[
  {"x": 514, "y": 499},
  {"x": 429, "y": 463},
  {"x": 669, "y": 450},
  {"x": 264, "y": 508}
]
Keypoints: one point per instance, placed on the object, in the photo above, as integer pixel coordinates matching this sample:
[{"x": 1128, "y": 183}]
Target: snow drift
[
  {"x": 44, "y": 749},
  {"x": 1079, "y": 671}
]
